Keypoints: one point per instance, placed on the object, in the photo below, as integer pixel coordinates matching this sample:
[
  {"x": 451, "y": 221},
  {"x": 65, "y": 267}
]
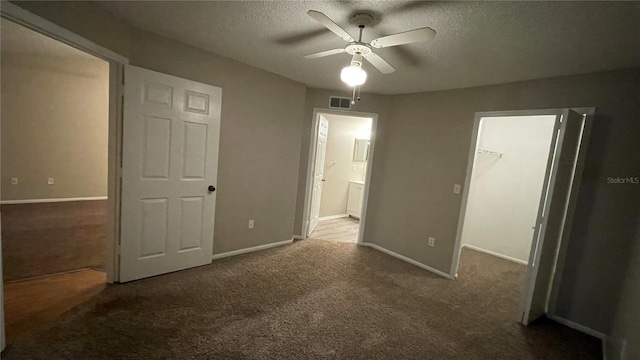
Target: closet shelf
[{"x": 489, "y": 152}]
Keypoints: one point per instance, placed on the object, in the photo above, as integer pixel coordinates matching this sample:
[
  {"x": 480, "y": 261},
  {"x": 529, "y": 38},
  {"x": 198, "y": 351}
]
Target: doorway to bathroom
[{"x": 337, "y": 186}]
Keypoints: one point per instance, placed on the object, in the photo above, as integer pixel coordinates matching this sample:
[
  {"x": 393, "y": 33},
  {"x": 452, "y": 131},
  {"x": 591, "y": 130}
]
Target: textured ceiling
[
  {"x": 477, "y": 43},
  {"x": 20, "y": 40}
]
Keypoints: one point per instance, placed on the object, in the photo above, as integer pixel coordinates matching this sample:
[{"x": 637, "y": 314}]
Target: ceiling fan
[{"x": 353, "y": 75}]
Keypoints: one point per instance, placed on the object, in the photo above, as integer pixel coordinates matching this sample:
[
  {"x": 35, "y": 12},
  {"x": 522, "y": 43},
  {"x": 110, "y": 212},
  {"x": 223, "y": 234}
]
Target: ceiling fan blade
[
  {"x": 379, "y": 63},
  {"x": 300, "y": 37},
  {"x": 324, "y": 53},
  {"x": 329, "y": 24},
  {"x": 408, "y": 37}
]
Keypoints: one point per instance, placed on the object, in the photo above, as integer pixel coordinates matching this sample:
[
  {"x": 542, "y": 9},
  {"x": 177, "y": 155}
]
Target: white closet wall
[{"x": 505, "y": 191}]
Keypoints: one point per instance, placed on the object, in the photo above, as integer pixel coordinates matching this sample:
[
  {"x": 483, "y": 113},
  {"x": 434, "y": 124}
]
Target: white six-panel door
[
  {"x": 318, "y": 173},
  {"x": 171, "y": 129}
]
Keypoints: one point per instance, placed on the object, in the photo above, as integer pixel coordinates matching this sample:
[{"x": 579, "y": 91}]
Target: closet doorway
[
  {"x": 337, "y": 186},
  {"x": 522, "y": 181}
]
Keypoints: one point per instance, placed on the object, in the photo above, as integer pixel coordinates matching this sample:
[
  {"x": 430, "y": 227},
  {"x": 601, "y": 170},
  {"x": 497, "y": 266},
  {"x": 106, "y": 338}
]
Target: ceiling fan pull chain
[{"x": 353, "y": 96}]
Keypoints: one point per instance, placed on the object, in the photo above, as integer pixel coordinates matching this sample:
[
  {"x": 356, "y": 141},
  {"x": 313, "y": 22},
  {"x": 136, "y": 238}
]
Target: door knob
[
  {"x": 212, "y": 188},
  {"x": 323, "y": 180}
]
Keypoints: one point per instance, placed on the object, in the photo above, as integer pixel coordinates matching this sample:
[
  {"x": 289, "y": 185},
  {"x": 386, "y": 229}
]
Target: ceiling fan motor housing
[{"x": 358, "y": 48}]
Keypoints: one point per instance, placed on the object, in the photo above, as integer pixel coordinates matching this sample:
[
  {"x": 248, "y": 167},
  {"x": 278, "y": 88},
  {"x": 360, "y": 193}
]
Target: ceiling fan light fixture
[{"x": 354, "y": 75}]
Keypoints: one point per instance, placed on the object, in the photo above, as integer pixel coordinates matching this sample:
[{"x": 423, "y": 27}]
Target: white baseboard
[
  {"x": 298, "y": 237},
  {"x": 251, "y": 249},
  {"x": 404, "y": 258},
  {"x": 38, "y": 201},
  {"x": 331, "y": 217},
  {"x": 576, "y": 326},
  {"x": 489, "y": 252}
]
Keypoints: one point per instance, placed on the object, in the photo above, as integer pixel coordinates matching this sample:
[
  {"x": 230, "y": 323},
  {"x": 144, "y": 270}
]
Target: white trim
[
  {"x": 298, "y": 237},
  {"x": 45, "y": 27},
  {"x": 331, "y": 217},
  {"x": 492, "y": 253},
  {"x": 251, "y": 249},
  {"x": 406, "y": 259},
  {"x": 55, "y": 200},
  {"x": 575, "y": 326}
]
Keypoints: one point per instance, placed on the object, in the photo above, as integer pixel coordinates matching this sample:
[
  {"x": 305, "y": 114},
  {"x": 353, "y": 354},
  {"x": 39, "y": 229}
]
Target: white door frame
[
  {"x": 116, "y": 62},
  {"x": 575, "y": 187},
  {"x": 310, "y": 164}
]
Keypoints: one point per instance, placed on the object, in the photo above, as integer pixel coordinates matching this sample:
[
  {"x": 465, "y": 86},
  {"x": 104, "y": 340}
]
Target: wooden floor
[
  {"x": 30, "y": 304},
  {"x": 341, "y": 229}
]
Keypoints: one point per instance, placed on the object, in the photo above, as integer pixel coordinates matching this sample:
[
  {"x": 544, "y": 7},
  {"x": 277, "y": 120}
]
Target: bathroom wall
[{"x": 339, "y": 165}]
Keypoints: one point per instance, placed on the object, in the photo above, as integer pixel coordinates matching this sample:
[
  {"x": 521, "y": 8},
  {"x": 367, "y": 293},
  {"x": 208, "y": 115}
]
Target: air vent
[{"x": 336, "y": 102}]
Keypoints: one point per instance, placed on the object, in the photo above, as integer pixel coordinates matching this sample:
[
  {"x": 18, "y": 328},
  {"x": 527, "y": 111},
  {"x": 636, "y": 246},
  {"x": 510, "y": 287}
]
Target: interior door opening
[
  {"x": 522, "y": 179},
  {"x": 339, "y": 158},
  {"x": 55, "y": 153}
]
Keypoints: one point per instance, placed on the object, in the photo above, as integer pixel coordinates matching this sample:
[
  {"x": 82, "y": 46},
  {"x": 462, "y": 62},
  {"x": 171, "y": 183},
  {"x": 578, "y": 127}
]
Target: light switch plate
[
  {"x": 456, "y": 188},
  {"x": 432, "y": 242},
  {"x": 251, "y": 224},
  {"x": 50, "y": 181},
  {"x": 14, "y": 181}
]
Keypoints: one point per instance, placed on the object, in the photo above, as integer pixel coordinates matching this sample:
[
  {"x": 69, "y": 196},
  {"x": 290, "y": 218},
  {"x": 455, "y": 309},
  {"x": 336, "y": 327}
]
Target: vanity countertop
[{"x": 357, "y": 182}]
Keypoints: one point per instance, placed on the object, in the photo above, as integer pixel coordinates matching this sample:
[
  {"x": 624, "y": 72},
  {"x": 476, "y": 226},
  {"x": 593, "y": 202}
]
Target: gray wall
[
  {"x": 55, "y": 117},
  {"x": 260, "y": 127},
  {"x": 627, "y": 323},
  {"x": 434, "y": 129}
]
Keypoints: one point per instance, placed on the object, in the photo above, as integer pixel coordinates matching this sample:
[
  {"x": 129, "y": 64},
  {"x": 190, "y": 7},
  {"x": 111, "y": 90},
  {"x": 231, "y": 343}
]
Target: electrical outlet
[
  {"x": 456, "y": 188},
  {"x": 251, "y": 223},
  {"x": 14, "y": 181},
  {"x": 432, "y": 242},
  {"x": 51, "y": 181}
]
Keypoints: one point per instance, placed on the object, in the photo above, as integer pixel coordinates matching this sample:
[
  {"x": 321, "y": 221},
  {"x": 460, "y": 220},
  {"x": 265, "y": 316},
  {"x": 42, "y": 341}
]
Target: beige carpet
[{"x": 310, "y": 300}]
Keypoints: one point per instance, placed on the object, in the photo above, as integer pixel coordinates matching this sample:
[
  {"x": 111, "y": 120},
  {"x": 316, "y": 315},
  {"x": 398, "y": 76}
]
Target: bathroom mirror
[{"x": 361, "y": 150}]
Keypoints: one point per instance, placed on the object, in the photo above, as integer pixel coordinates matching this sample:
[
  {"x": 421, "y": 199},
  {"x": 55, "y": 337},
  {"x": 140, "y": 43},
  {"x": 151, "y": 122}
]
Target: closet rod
[{"x": 489, "y": 152}]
